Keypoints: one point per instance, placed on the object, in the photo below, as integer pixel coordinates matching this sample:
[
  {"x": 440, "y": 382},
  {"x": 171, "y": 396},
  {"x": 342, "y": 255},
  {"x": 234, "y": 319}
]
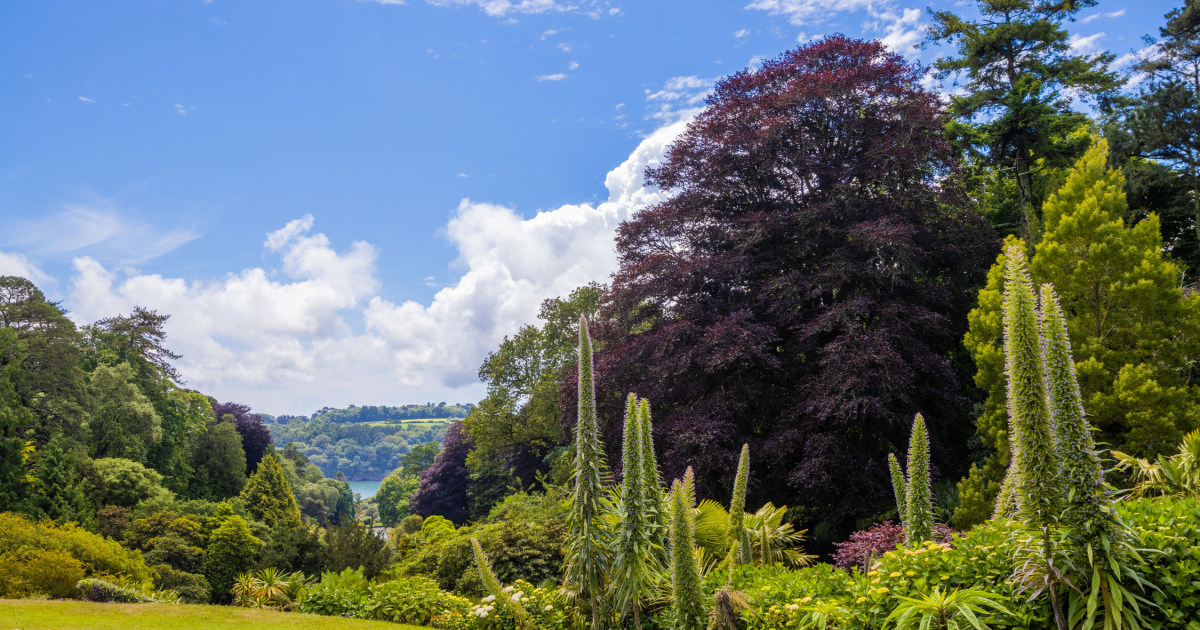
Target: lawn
[{"x": 25, "y": 614}]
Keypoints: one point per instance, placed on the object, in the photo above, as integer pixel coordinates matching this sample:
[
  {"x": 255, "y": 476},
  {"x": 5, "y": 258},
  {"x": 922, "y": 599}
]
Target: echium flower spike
[
  {"x": 633, "y": 564},
  {"x": 586, "y": 557},
  {"x": 1088, "y": 512},
  {"x": 899, "y": 488},
  {"x": 1006, "y": 499},
  {"x": 737, "y": 509},
  {"x": 491, "y": 584},
  {"x": 653, "y": 495},
  {"x": 919, "y": 527},
  {"x": 689, "y": 491},
  {"x": 1036, "y": 468},
  {"x": 687, "y": 602}
]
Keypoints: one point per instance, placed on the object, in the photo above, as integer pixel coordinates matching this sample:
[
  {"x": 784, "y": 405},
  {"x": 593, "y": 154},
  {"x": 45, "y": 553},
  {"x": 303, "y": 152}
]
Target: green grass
[{"x": 27, "y": 614}]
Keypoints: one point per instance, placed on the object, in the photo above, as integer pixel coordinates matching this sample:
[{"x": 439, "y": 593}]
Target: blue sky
[{"x": 348, "y": 201}]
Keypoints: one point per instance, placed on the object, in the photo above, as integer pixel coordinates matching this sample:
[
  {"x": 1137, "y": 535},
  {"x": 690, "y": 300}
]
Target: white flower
[
  {"x": 516, "y": 598},
  {"x": 489, "y": 598},
  {"x": 549, "y": 607},
  {"x": 508, "y": 589}
]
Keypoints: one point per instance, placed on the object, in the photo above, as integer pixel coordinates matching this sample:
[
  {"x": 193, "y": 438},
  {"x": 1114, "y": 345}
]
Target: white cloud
[
  {"x": 17, "y": 264},
  {"x": 506, "y": 8},
  {"x": 801, "y": 12},
  {"x": 740, "y": 33},
  {"x": 679, "y": 97},
  {"x": 180, "y": 109},
  {"x": 574, "y": 65},
  {"x": 311, "y": 329},
  {"x": 1095, "y": 16},
  {"x": 84, "y": 99},
  {"x": 565, "y": 47},
  {"x": 99, "y": 231},
  {"x": 902, "y": 31},
  {"x": 558, "y": 76},
  {"x": 548, "y": 33},
  {"x": 1084, "y": 45}
]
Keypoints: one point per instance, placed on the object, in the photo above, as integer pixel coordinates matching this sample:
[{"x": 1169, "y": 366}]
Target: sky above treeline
[{"x": 352, "y": 202}]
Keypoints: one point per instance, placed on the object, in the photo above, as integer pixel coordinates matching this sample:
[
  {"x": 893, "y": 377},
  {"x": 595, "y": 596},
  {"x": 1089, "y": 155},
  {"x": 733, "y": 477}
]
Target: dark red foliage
[
  {"x": 256, "y": 437},
  {"x": 443, "y": 485},
  {"x": 881, "y": 538},
  {"x": 806, "y": 287}
]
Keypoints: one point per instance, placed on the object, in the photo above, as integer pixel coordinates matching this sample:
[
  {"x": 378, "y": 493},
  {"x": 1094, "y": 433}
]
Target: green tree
[
  {"x": 919, "y": 505},
  {"x": 1132, "y": 329},
  {"x": 218, "y": 462},
  {"x": 14, "y": 419},
  {"x": 57, "y": 494},
  {"x": 393, "y": 495},
  {"x": 587, "y": 557},
  {"x": 231, "y": 552},
  {"x": 123, "y": 423},
  {"x": 515, "y": 428},
  {"x": 51, "y": 384},
  {"x": 126, "y": 483},
  {"x": 269, "y": 498},
  {"x": 1017, "y": 71},
  {"x": 352, "y": 546}
]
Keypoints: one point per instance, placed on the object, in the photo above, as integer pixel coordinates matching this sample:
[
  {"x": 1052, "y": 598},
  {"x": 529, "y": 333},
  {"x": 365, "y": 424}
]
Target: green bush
[
  {"x": 519, "y": 550},
  {"x": 193, "y": 588},
  {"x": 415, "y": 600},
  {"x": 28, "y": 572},
  {"x": 97, "y": 590},
  {"x": 981, "y": 559},
  {"x": 337, "y": 595},
  {"x": 90, "y": 554}
]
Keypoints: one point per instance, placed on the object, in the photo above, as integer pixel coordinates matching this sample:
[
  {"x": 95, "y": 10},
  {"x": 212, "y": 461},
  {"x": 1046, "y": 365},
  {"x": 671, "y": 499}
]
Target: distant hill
[
  {"x": 364, "y": 443},
  {"x": 382, "y": 413}
]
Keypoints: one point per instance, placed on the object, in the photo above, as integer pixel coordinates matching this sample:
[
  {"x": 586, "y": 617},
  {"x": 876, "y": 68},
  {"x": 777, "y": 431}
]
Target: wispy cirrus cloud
[
  {"x": 508, "y": 8},
  {"x": 100, "y": 231}
]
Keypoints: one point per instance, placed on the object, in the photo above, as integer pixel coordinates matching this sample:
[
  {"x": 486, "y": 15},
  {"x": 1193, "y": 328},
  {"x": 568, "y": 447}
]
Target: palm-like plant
[
  {"x": 1177, "y": 475},
  {"x": 773, "y": 541},
  {"x": 267, "y": 588},
  {"x": 953, "y": 610}
]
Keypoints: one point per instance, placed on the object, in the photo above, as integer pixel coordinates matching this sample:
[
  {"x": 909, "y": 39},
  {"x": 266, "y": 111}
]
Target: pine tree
[
  {"x": 633, "y": 566},
  {"x": 587, "y": 560},
  {"x": 919, "y": 515},
  {"x": 899, "y": 488},
  {"x": 1035, "y": 463},
  {"x": 1132, "y": 330},
  {"x": 268, "y": 496},
  {"x": 687, "y": 601},
  {"x": 737, "y": 511}
]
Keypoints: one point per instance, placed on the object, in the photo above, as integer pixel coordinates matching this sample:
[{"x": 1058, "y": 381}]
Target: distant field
[
  {"x": 430, "y": 422},
  {"x": 24, "y": 614}
]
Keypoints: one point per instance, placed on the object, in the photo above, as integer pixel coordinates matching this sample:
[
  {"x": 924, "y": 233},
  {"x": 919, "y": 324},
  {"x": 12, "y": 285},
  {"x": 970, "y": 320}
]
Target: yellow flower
[
  {"x": 910, "y": 573},
  {"x": 860, "y": 600},
  {"x": 894, "y": 574}
]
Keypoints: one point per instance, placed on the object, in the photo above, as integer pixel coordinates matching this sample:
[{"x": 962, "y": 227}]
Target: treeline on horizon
[
  {"x": 372, "y": 413},
  {"x": 830, "y": 265}
]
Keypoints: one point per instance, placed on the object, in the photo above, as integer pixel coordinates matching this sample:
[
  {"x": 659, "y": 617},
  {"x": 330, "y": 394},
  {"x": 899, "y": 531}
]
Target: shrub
[
  {"x": 337, "y": 595},
  {"x": 97, "y": 590},
  {"x": 193, "y": 588},
  {"x": 27, "y": 572},
  {"x": 869, "y": 544},
  {"x": 94, "y": 554},
  {"x": 415, "y": 600}
]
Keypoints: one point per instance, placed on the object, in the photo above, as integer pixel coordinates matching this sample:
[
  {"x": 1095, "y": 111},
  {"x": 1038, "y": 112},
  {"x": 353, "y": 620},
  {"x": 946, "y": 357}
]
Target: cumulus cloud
[
  {"x": 311, "y": 329},
  {"x": 17, "y": 264},
  {"x": 902, "y": 31},
  {"x": 99, "y": 231}
]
